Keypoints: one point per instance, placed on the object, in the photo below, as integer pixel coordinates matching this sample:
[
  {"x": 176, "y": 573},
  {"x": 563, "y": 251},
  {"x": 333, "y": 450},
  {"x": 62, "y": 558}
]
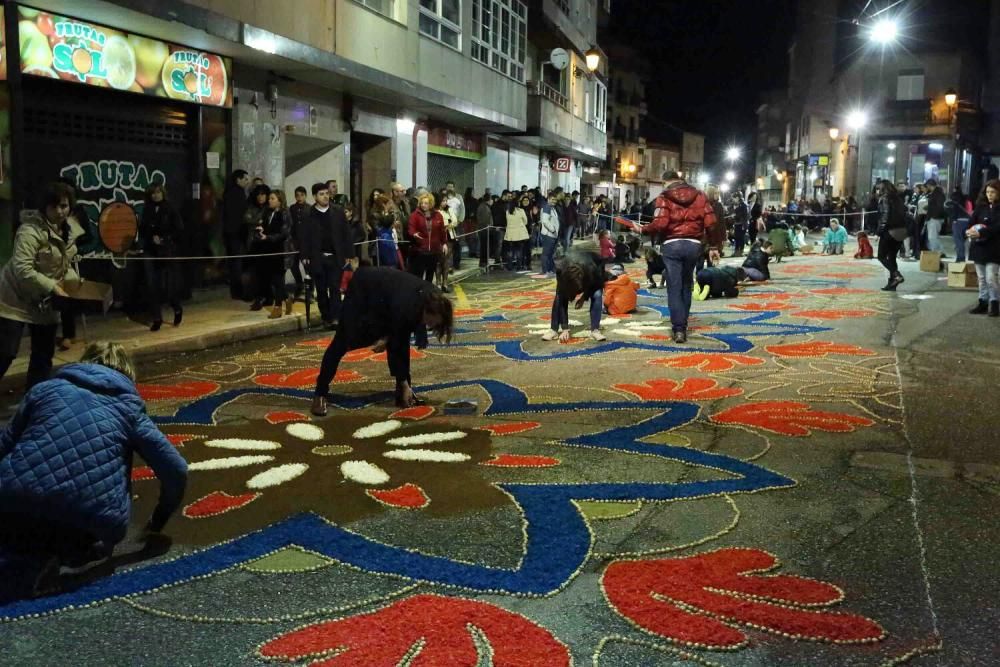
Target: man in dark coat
[
  {"x": 385, "y": 307},
  {"x": 326, "y": 247},
  {"x": 234, "y": 207}
]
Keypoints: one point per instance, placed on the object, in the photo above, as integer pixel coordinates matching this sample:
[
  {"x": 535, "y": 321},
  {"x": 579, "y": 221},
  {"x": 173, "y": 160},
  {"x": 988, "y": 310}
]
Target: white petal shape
[
  {"x": 627, "y": 332},
  {"x": 426, "y": 456},
  {"x": 538, "y": 326},
  {"x": 378, "y": 429},
  {"x": 363, "y": 472},
  {"x": 303, "y": 431},
  {"x": 610, "y": 321},
  {"x": 575, "y": 323},
  {"x": 231, "y": 462},
  {"x": 276, "y": 475},
  {"x": 241, "y": 443},
  {"x": 427, "y": 438}
]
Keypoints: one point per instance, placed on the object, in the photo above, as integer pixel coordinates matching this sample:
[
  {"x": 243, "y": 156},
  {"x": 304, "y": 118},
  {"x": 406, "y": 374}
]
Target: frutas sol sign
[{"x": 60, "y": 47}]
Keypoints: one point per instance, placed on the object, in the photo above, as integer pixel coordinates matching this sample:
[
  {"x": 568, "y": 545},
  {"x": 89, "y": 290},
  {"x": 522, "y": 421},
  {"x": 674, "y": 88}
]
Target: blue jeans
[
  {"x": 560, "y": 311},
  {"x": 549, "y": 253},
  {"x": 680, "y": 258},
  {"x": 958, "y": 229},
  {"x": 567, "y": 237}
]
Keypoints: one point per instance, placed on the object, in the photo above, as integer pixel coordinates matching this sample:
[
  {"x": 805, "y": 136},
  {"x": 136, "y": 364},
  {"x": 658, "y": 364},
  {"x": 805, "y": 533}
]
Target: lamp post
[
  {"x": 951, "y": 99},
  {"x": 834, "y": 135},
  {"x": 856, "y": 120}
]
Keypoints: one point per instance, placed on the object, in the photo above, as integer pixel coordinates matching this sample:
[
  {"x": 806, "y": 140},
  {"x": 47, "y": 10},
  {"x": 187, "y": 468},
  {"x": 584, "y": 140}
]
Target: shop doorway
[
  {"x": 371, "y": 167},
  {"x": 309, "y": 160}
]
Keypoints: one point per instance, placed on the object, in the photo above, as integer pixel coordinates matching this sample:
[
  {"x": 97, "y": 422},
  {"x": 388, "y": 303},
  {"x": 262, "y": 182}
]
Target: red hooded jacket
[{"x": 682, "y": 212}]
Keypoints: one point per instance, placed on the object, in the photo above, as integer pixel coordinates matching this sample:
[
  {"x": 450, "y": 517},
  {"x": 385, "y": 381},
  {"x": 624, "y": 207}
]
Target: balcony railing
[{"x": 547, "y": 91}]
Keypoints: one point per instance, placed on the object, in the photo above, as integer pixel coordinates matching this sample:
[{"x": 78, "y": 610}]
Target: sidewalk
[{"x": 211, "y": 319}]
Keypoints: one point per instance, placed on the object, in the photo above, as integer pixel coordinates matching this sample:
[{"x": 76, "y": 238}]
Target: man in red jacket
[{"x": 683, "y": 215}]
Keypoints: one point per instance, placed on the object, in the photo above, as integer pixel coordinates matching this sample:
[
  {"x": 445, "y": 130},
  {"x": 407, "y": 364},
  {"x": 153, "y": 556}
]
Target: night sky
[{"x": 711, "y": 60}]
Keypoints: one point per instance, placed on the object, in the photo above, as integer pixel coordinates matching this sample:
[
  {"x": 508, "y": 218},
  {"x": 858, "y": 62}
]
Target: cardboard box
[
  {"x": 962, "y": 274},
  {"x": 930, "y": 261},
  {"x": 90, "y": 290},
  {"x": 807, "y": 249}
]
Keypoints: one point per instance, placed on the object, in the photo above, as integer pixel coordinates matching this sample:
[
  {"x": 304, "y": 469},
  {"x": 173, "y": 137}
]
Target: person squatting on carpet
[
  {"x": 654, "y": 267},
  {"x": 65, "y": 471},
  {"x": 835, "y": 239},
  {"x": 865, "y": 249},
  {"x": 621, "y": 295},
  {"x": 719, "y": 281},
  {"x": 756, "y": 262},
  {"x": 683, "y": 216},
  {"x": 580, "y": 275},
  {"x": 384, "y": 306}
]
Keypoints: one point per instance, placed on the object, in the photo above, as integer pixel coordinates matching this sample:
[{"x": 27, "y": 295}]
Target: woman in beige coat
[
  {"x": 516, "y": 238},
  {"x": 35, "y": 276}
]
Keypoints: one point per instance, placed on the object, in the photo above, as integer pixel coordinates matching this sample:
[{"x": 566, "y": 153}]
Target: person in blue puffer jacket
[{"x": 65, "y": 469}]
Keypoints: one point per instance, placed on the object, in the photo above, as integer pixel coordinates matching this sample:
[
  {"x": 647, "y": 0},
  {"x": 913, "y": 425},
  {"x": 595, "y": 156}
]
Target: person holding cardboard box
[
  {"x": 984, "y": 232},
  {"x": 34, "y": 281}
]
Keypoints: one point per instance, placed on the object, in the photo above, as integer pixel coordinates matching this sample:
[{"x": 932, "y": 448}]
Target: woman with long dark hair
[
  {"x": 253, "y": 221},
  {"x": 891, "y": 232},
  {"x": 984, "y": 249},
  {"x": 271, "y": 240},
  {"x": 159, "y": 233}
]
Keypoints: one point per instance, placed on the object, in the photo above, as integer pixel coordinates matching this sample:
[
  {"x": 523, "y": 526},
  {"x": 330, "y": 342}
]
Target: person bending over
[
  {"x": 757, "y": 260},
  {"x": 654, "y": 267},
  {"x": 384, "y": 306},
  {"x": 719, "y": 281},
  {"x": 580, "y": 275},
  {"x": 65, "y": 470}
]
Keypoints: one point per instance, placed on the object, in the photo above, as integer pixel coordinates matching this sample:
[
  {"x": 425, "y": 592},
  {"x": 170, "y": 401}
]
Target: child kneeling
[{"x": 719, "y": 281}]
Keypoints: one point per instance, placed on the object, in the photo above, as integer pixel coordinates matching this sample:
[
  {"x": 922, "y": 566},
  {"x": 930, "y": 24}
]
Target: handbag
[{"x": 898, "y": 234}]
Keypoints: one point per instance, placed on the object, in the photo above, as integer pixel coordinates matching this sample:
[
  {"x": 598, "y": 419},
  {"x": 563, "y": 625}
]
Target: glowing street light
[
  {"x": 704, "y": 178},
  {"x": 891, "y": 146},
  {"x": 834, "y": 133},
  {"x": 730, "y": 176},
  {"x": 724, "y": 188},
  {"x": 884, "y": 32},
  {"x": 733, "y": 153},
  {"x": 857, "y": 119},
  {"x": 891, "y": 159}
]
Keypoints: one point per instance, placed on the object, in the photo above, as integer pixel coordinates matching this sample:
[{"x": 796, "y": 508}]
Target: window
[
  {"x": 599, "y": 113},
  {"x": 910, "y": 85},
  {"x": 500, "y": 35},
  {"x": 442, "y": 20},
  {"x": 383, "y": 7}
]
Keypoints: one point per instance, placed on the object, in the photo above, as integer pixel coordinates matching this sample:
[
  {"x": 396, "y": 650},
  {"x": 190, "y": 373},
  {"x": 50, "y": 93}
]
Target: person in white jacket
[
  {"x": 549, "y": 219},
  {"x": 456, "y": 204}
]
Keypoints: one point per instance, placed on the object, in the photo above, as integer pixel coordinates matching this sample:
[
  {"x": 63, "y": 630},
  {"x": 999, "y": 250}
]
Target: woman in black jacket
[
  {"x": 253, "y": 220},
  {"x": 386, "y": 307},
  {"x": 159, "y": 233},
  {"x": 984, "y": 251},
  {"x": 272, "y": 238},
  {"x": 891, "y": 232}
]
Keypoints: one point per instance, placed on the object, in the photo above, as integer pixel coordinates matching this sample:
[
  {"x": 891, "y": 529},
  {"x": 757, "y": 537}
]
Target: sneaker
[
  {"x": 550, "y": 335},
  {"x": 597, "y": 335},
  {"x": 701, "y": 292}
]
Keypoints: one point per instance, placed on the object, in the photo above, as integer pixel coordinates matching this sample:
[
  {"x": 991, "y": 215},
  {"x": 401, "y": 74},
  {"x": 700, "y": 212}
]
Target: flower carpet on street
[{"x": 625, "y": 502}]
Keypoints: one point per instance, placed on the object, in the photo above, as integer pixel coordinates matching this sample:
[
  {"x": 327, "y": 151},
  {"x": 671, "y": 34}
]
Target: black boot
[
  {"x": 980, "y": 309},
  {"x": 994, "y": 308}
]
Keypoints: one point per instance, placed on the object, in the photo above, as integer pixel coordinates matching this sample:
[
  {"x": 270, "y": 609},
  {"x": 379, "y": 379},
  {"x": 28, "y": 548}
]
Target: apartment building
[{"x": 364, "y": 92}]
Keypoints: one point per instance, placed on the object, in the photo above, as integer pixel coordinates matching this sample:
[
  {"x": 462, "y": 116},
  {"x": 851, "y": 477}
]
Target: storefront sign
[
  {"x": 443, "y": 141},
  {"x": 59, "y": 47},
  {"x": 562, "y": 164}
]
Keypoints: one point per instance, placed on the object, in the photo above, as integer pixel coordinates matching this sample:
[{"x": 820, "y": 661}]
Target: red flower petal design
[
  {"x": 773, "y": 296},
  {"x": 321, "y": 343},
  {"x": 467, "y": 312},
  {"x": 533, "y": 305},
  {"x": 416, "y": 413},
  {"x": 753, "y": 306},
  {"x": 834, "y": 314},
  {"x": 305, "y": 377},
  {"x": 217, "y": 502},
  {"x": 702, "y": 600},
  {"x": 408, "y": 497},
  {"x": 843, "y": 276},
  {"x": 790, "y": 418},
  {"x": 506, "y": 336},
  {"x": 521, "y": 461},
  {"x": 366, "y": 354},
  {"x": 656, "y": 337},
  {"x": 818, "y": 349},
  {"x": 500, "y": 325},
  {"x": 530, "y": 294},
  {"x": 142, "y": 472},
  {"x": 441, "y": 624},
  {"x": 181, "y": 390},
  {"x": 840, "y": 291},
  {"x": 285, "y": 417},
  {"x": 690, "y": 389},
  {"x": 178, "y": 440},
  {"x": 510, "y": 429},
  {"x": 575, "y": 340},
  {"x": 708, "y": 362}
]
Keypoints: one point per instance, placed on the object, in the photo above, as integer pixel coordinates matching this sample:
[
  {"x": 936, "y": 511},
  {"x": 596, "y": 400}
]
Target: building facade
[{"x": 364, "y": 92}]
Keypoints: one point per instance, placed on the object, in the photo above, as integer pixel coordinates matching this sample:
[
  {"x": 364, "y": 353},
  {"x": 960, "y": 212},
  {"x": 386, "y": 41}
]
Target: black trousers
[
  {"x": 235, "y": 247},
  {"x": 162, "y": 284},
  {"x": 326, "y": 274},
  {"x": 43, "y": 348},
  {"x": 424, "y": 264},
  {"x": 888, "y": 250}
]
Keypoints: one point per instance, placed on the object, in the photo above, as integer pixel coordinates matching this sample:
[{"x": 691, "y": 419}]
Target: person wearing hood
[
  {"x": 580, "y": 276},
  {"x": 34, "y": 281},
  {"x": 683, "y": 216},
  {"x": 66, "y": 467}
]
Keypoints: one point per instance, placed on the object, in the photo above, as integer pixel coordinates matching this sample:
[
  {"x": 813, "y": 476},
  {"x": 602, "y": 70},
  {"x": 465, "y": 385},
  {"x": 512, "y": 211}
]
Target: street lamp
[
  {"x": 733, "y": 154},
  {"x": 730, "y": 176},
  {"x": 593, "y": 59},
  {"x": 724, "y": 188},
  {"x": 834, "y": 133},
  {"x": 857, "y": 119},
  {"x": 884, "y": 32},
  {"x": 951, "y": 97}
]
